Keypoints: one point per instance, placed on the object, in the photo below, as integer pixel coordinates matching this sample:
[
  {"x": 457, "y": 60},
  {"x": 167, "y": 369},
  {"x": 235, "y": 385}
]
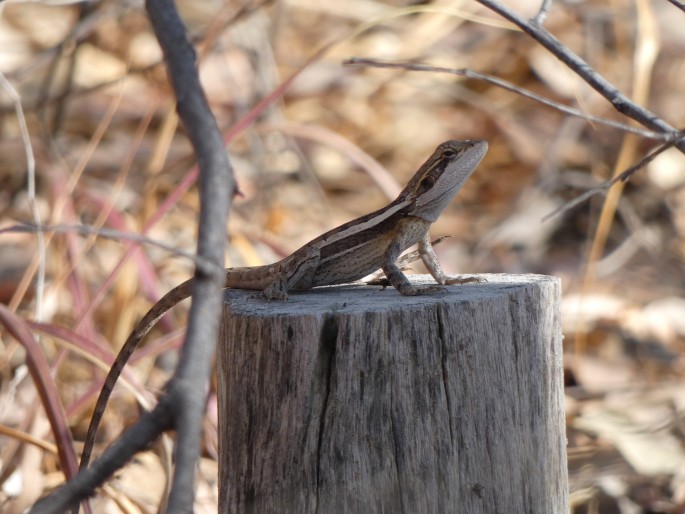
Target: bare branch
[
  {"x": 541, "y": 16},
  {"x": 182, "y": 405},
  {"x": 466, "y": 72},
  {"x": 624, "y": 176},
  {"x": 107, "y": 233},
  {"x": 680, "y": 5},
  {"x": 620, "y": 102}
]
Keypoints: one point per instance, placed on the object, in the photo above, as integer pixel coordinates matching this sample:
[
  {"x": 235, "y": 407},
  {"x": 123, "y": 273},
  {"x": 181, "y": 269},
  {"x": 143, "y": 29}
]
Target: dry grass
[{"x": 335, "y": 144}]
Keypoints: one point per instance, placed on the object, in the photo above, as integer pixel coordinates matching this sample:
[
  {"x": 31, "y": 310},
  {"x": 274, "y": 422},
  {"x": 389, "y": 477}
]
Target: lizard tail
[{"x": 169, "y": 300}]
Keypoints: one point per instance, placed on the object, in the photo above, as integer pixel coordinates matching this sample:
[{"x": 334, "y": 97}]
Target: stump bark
[{"x": 356, "y": 399}]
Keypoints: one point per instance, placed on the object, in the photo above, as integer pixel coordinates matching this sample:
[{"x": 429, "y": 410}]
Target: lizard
[{"x": 342, "y": 255}]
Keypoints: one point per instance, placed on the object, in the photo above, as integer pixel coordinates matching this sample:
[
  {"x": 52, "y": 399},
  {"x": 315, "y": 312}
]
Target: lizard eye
[
  {"x": 449, "y": 154},
  {"x": 427, "y": 183}
]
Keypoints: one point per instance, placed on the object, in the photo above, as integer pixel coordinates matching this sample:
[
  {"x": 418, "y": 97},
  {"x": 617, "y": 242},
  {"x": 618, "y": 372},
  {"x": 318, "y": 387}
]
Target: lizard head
[{"x": 442, "y": 176}]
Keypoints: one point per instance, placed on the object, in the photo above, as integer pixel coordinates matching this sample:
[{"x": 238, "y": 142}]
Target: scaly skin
[{"x": 342, "y": 255}]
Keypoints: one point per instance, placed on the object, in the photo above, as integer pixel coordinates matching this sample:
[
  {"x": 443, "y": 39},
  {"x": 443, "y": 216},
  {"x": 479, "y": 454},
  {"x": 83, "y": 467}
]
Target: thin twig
[
  {"x": 680, "y": 5},
  {"x": 107, "y": 233},
  {"x": 468, "y": 73},
  {"x": 541, "y": 16},
  {"x": 30, "y": 191},
  {"x": 621, "y": 103},
  {"x": 624, "y": 176}
]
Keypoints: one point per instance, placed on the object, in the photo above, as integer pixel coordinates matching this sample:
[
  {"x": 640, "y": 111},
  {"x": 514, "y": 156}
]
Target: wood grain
[{"x": 355, "y": 399}]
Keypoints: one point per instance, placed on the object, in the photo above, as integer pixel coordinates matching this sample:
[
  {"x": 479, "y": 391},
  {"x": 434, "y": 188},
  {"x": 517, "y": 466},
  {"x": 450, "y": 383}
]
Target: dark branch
[
  {"x": 466, "y": 72},
  {"x": 182, "y": 405},
  {"x": 620, "y": 102},
  {"x": 624, "y": 176},
  {"x": 678, "y": 4}
]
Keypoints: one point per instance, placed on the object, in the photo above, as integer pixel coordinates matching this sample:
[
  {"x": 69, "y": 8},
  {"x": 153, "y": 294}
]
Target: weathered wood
[{"x": 355, "y": 399}]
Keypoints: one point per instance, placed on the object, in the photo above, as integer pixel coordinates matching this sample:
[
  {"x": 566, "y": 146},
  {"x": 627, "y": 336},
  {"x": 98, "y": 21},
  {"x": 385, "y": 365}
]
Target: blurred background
[{"x": 315, "y": 143}]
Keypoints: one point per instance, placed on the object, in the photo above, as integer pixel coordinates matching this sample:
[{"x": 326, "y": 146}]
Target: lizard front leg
[
  {"x": 398, "y": 279},
  {"x": 433, "y": 265}
]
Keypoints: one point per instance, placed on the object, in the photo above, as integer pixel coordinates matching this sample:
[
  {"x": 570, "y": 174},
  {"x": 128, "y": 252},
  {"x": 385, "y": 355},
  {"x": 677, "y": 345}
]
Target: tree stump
[{"x": 356, "y": 399}]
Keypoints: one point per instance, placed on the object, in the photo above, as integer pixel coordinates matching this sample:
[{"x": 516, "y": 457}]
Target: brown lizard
[{"x": 341, "y": 255}]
